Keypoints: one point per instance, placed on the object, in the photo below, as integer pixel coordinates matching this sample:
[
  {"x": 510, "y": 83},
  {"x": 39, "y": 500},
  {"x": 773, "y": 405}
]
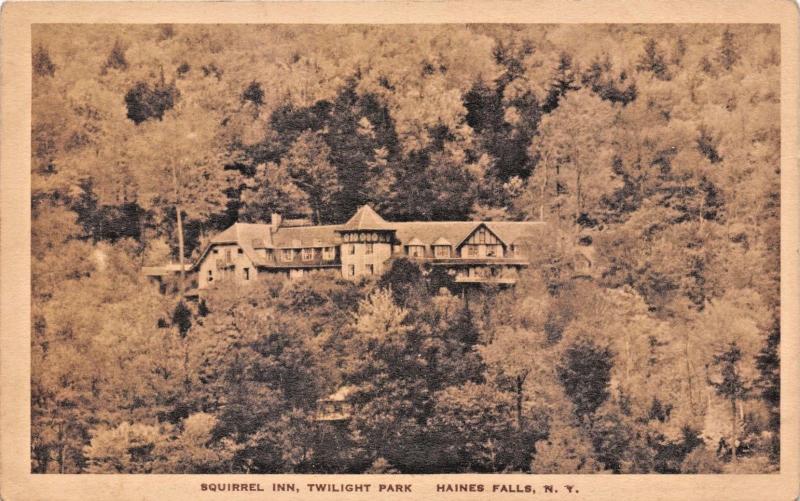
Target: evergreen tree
[
  {"x": 768, "y": 363},
  {"x": 653, "y": 61},
  {"x": 585, "y": 372},
  {"x": 731, "y": 386},
  {"x": 43, "y": 66},
  {"x": 563, "y": 81}
]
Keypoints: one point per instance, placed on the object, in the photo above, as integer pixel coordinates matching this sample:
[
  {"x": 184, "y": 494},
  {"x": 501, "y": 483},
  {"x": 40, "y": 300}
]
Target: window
[
  {"x": 368, "y": 249},
  {"x": 240, "y": 250},
  {"x": 441, "y": 251},
  {"x": 287, "y": 254},
  {"x": 416, "y": 250},
  {"x": 246, "y": 273},
  {"x": 210, "y": 276},
  {"x": 491, "y": 251},
  {"x": 481, "y": 237},
  {"x": 370, "y": 269},
  {"x": 351, "y": 270},
  {"x": 472, "y": 250},
  {"x": 329, "y": 253},
  {"x": 308, "y": 254},
  {"x": 352, "y": 249},
  {"x": 216, "y": 251},
  {"x": 227, "y": 255}
]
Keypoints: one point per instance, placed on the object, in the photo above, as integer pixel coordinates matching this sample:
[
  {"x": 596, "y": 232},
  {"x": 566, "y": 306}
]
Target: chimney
[{"x": 276, "y": 222}]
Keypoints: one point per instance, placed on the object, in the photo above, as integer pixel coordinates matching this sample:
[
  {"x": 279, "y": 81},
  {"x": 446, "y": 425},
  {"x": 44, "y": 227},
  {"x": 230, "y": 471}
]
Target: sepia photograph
[
  {"x": 385, "y": 251},
  {"x": 422, "y": 248}
]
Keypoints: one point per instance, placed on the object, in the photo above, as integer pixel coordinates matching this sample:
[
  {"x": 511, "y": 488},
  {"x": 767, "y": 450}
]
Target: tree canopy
[{"x": 653, "y": 149}]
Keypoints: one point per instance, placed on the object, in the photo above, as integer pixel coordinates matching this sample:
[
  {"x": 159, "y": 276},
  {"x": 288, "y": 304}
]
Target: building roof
[
  {"x": 341, "y": 394},
  {"x": 431, "y": 232},
  {"x": 308, "y": 236},
  {"x": 366, "y": 218},
  {"x": 415, "y": 241}
]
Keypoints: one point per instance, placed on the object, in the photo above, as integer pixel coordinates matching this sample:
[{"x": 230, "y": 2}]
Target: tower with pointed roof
[{"x": 367, "y": 241}]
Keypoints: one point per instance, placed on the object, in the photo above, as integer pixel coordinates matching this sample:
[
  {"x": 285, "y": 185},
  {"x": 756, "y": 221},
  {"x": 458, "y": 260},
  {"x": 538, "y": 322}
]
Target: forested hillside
[{"x": 657, "y": 146}]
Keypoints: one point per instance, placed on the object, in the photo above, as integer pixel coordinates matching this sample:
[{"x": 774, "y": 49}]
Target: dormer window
[
  {"x": 308, "y": 254},
  {"x": 287, "y": 255},
  {"x": 416, "y": 248},
  {"x": 441, "y": 248},
  {"x": 329, "y": 253}
]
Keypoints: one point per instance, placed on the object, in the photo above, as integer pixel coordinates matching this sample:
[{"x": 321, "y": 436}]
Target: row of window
[
  {"x": 416, "y": 251},
  {"x": 469, "y": 250},
  {"x": 328, "y": 254},
  {"x": 384, "y": 237},
  {"x": 444, "y": 251}
]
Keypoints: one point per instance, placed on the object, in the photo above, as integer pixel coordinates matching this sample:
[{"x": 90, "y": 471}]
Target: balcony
[
  {"x": 461, "y": 279},
  {"x": 480, "y": 261}
]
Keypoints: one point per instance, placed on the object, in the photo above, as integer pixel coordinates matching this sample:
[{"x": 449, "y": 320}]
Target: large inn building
[{"x": 469, "y": 251}]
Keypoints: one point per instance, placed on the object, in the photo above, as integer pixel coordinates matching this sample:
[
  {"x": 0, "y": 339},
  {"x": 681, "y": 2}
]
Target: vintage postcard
[{"x": 362, "y": 250}]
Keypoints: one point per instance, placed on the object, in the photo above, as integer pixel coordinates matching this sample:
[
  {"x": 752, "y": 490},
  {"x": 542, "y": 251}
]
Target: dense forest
[{"x": 657, "y": 146}]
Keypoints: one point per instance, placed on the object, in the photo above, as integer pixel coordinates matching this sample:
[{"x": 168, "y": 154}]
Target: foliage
[
  {"x": 653, "y": 150},
  {"x": 585, "y": 372},
  {"x": 145, "y": 102}
]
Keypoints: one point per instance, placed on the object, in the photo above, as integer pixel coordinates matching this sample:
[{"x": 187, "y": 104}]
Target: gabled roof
[
  {"x": 441, "y": 241},
  {"x": 244, "y": 235},
  {"x": 366, "y": 218},
  {"x": 461, "y": 242},
  {"x": 228, "y": 236},
  {"x": 341, "y": 394},
  {"x": 415, "y": 241}
]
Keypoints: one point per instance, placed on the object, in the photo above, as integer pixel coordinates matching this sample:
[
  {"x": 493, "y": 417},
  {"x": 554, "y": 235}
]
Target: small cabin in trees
[{"x": 335, "y": 407}]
